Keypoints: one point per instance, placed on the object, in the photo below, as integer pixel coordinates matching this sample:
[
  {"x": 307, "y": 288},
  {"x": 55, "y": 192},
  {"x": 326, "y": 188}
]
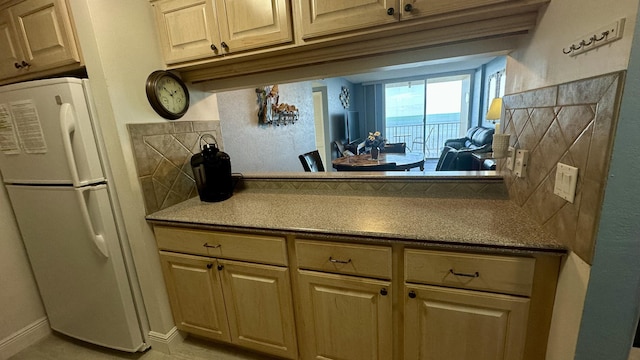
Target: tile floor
[{"x": 60, "y": 347}]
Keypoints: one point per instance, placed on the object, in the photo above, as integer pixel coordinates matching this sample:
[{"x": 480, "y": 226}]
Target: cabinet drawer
[
  {"x": 353, "y": 259},
  {"x": 503, "y": 274},
  {"x": 257, "y": 248}
]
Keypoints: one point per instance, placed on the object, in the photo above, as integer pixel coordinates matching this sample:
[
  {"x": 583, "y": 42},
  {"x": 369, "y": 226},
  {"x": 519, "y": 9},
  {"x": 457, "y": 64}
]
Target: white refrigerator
[{"x": 56, "y": 172}]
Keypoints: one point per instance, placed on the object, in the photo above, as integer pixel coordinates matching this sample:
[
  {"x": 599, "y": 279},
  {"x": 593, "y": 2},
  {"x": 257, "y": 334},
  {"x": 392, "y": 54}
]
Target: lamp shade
[{"x": 495, "y": 110}]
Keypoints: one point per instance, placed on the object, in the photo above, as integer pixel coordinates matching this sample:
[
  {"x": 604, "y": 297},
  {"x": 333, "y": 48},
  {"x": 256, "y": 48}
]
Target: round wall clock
[{"x": 167, "y": 94}]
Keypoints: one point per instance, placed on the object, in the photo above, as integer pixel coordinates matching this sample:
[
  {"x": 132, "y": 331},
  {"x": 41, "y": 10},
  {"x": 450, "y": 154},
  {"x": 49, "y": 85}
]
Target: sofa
[{"x": 457, "y": 153}]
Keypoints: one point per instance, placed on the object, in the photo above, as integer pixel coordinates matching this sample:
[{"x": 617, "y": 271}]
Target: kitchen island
[{"x": 398, "y": 261}]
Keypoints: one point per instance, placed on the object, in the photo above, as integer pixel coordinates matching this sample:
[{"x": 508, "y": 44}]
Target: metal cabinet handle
[
  {"x": 412, "y": 294},
  {"x": 474, "y": 275},
  {"x": 25, "y": 64},
  {"x": 220, "y": 267},
  {"x": 209, "y": 266},
  {"x": 339, "y": 261},
  {"x": 391, "y": 11},
  {"x": 18, "y": 66},
  {"x": 211, "y": 246},
  {"x": 408, "y": 8},
  {"x": 383, "y": 292},
  {"x": 214, "y": 48},
  {"x": 225, "y": 46}
]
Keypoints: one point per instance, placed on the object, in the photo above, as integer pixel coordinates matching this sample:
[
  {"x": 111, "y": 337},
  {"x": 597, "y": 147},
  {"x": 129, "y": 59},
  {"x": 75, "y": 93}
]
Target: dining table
[{"x": 364, "y": 162}]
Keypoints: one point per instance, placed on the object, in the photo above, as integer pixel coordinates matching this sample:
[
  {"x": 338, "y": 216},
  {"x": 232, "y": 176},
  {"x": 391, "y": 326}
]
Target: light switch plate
[
  {"x": 511, "y": 157},
  {"x": 520, "y": 164},
  {"x": 566, "y": 180}
]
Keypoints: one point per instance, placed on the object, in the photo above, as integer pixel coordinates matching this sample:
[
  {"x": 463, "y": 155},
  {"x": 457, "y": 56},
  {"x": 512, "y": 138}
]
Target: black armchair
[{"x": 457, "y": 153}]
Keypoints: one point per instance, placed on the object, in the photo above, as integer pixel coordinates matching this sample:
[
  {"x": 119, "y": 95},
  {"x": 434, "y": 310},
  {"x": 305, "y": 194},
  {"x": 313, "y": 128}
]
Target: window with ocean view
[{"x": 425, "y": 112}]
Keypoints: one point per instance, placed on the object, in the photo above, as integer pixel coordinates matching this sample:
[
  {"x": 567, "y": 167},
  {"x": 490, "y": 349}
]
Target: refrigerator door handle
[
  {"x": 97, "y": 239},
  {"x": 68, "y": 127}
]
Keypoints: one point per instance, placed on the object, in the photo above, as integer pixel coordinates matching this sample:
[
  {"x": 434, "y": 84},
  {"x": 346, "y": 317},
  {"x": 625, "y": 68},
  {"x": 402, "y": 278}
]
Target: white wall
[
  {"x": 20, "y": 304},
  {"x": 258, "y": 148},
  {"x": 120, "y": 49},
  {"x": 540, "y": 62}
]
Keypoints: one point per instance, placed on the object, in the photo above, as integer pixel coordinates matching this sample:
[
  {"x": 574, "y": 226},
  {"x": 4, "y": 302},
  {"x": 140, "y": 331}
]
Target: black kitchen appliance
[{"x": 212, "y": 171}]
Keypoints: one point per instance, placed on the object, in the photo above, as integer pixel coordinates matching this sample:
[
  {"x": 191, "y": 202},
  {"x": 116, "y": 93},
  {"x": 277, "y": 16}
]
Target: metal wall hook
[{"x": 604, "y": 36}]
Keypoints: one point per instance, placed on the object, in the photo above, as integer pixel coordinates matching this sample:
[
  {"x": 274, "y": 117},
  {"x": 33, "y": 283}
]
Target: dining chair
[
  {"x": 423, "y": 141},
  {"x": 399, "y": 148},
  {"x": 340, "y": 149},
  {"x": 311, "y": 161}
]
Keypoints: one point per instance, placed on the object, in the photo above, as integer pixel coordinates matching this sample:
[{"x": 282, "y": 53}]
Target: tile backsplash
[
  {"x": 572, "y": 123},
  {"x": 163, "y": 153}
]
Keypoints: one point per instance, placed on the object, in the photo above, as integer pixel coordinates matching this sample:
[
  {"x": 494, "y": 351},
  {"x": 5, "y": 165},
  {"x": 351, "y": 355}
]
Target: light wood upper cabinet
[
  {"x": 38, "y": 36},
  {"x": 326, "y": 17},
  {"x": 329, "y": 17},
  {"x": 196, "y": 29},
  {"x": 411, "y": 9},
  {"x": 11, "y": 54},
  {"x": 443, "y": 323}
]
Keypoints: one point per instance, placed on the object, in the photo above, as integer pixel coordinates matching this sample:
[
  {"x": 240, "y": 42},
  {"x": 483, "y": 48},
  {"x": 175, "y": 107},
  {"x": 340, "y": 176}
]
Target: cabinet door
[
  {"x": 442, "y": 323},
  {"x": 44, "y": 30},
  {"x": 327, "y": 17},
  {"x": 195, "y": 293},
  {"x": 421, "y": 8},
  {"x": 345, "y": 317},
  {"x": 11, "y": 53},
  {"x": 259, "y": 307},
  {"x": 251, "y": 24},
  {"x": 188, "y": 29}
]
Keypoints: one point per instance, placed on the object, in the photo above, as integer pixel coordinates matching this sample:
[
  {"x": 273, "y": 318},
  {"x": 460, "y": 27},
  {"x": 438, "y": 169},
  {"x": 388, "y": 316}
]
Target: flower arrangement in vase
[{"x": 375, "y": 141}]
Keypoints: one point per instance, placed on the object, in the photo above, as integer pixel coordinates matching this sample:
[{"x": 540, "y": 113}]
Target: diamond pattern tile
[
  {"x": 163, "y": 152},
  {"x": 576, "y": 129}
]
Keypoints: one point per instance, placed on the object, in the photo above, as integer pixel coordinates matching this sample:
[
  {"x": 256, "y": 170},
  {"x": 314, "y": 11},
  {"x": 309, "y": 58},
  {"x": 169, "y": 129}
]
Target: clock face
[{"x": 167, "y": 94}]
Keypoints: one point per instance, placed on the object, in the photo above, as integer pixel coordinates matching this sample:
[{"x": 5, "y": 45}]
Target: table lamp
[{"x": 500, "y": 141}]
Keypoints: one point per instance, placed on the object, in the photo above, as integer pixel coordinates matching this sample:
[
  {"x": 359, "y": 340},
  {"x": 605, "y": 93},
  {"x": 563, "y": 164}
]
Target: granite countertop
[{"x": 495, "y": 223}]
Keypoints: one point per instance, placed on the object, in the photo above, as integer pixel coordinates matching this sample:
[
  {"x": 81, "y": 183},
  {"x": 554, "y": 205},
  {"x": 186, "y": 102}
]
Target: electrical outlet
[
  {"x": 511, "y": 157},
  {"x": 566, "y": 180},
  {"x": 520, "y": 164}
]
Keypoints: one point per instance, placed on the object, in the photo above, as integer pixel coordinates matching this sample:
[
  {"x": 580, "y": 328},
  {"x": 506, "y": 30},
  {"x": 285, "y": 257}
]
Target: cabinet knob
[
  {"x": 412, "y": 294},
  {"x": 408, "y": 8},
  {"x": 209, "y": 266},
  {"x": 18, "y": 66},
  {"x": 225, "y": 46},
  {"x": 390, "y": 11},
  {"x": 25, "y": 64},
  {"x": 220, "y": 267},
  {"x": 383, "y": 292},
  {"x": 214, "y": 48}
]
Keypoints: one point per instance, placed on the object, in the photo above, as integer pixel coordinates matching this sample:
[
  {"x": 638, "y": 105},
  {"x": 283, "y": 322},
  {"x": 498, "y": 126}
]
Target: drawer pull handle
[
  {"x": 412, "y": 294},
  {"x": 383, "y": 292},
  {"x": 339, "y": 261},
  {"x": 211, "y": 246},
  {"x": 474, "y": 275},
  {"x": 209, "y": 266}
]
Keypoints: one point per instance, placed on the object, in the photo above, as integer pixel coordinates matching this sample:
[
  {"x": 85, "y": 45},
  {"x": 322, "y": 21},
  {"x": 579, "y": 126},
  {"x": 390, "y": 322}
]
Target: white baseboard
[
  {"x": 165, "y": 343},
  {"x": 24, "y": 337}
]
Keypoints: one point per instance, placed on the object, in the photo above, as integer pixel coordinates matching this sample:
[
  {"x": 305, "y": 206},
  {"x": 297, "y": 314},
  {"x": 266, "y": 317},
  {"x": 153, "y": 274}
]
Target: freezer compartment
[
  {"x": 53, "y": 131},
  {"x": 84, "y": 284}
]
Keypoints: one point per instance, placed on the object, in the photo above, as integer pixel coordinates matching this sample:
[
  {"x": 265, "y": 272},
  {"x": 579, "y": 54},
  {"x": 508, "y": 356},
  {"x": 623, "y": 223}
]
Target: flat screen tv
[{"x": 353, "y": 126}]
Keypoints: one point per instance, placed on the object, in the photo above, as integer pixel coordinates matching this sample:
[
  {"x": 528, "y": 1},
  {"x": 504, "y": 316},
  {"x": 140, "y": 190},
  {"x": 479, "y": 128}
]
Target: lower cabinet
[
  {"x": 356, "y": 301},
  {"x": 345, "y": 317},
  {"x": 442, "y": 323},
  {"x": 239, "y": 302}
]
